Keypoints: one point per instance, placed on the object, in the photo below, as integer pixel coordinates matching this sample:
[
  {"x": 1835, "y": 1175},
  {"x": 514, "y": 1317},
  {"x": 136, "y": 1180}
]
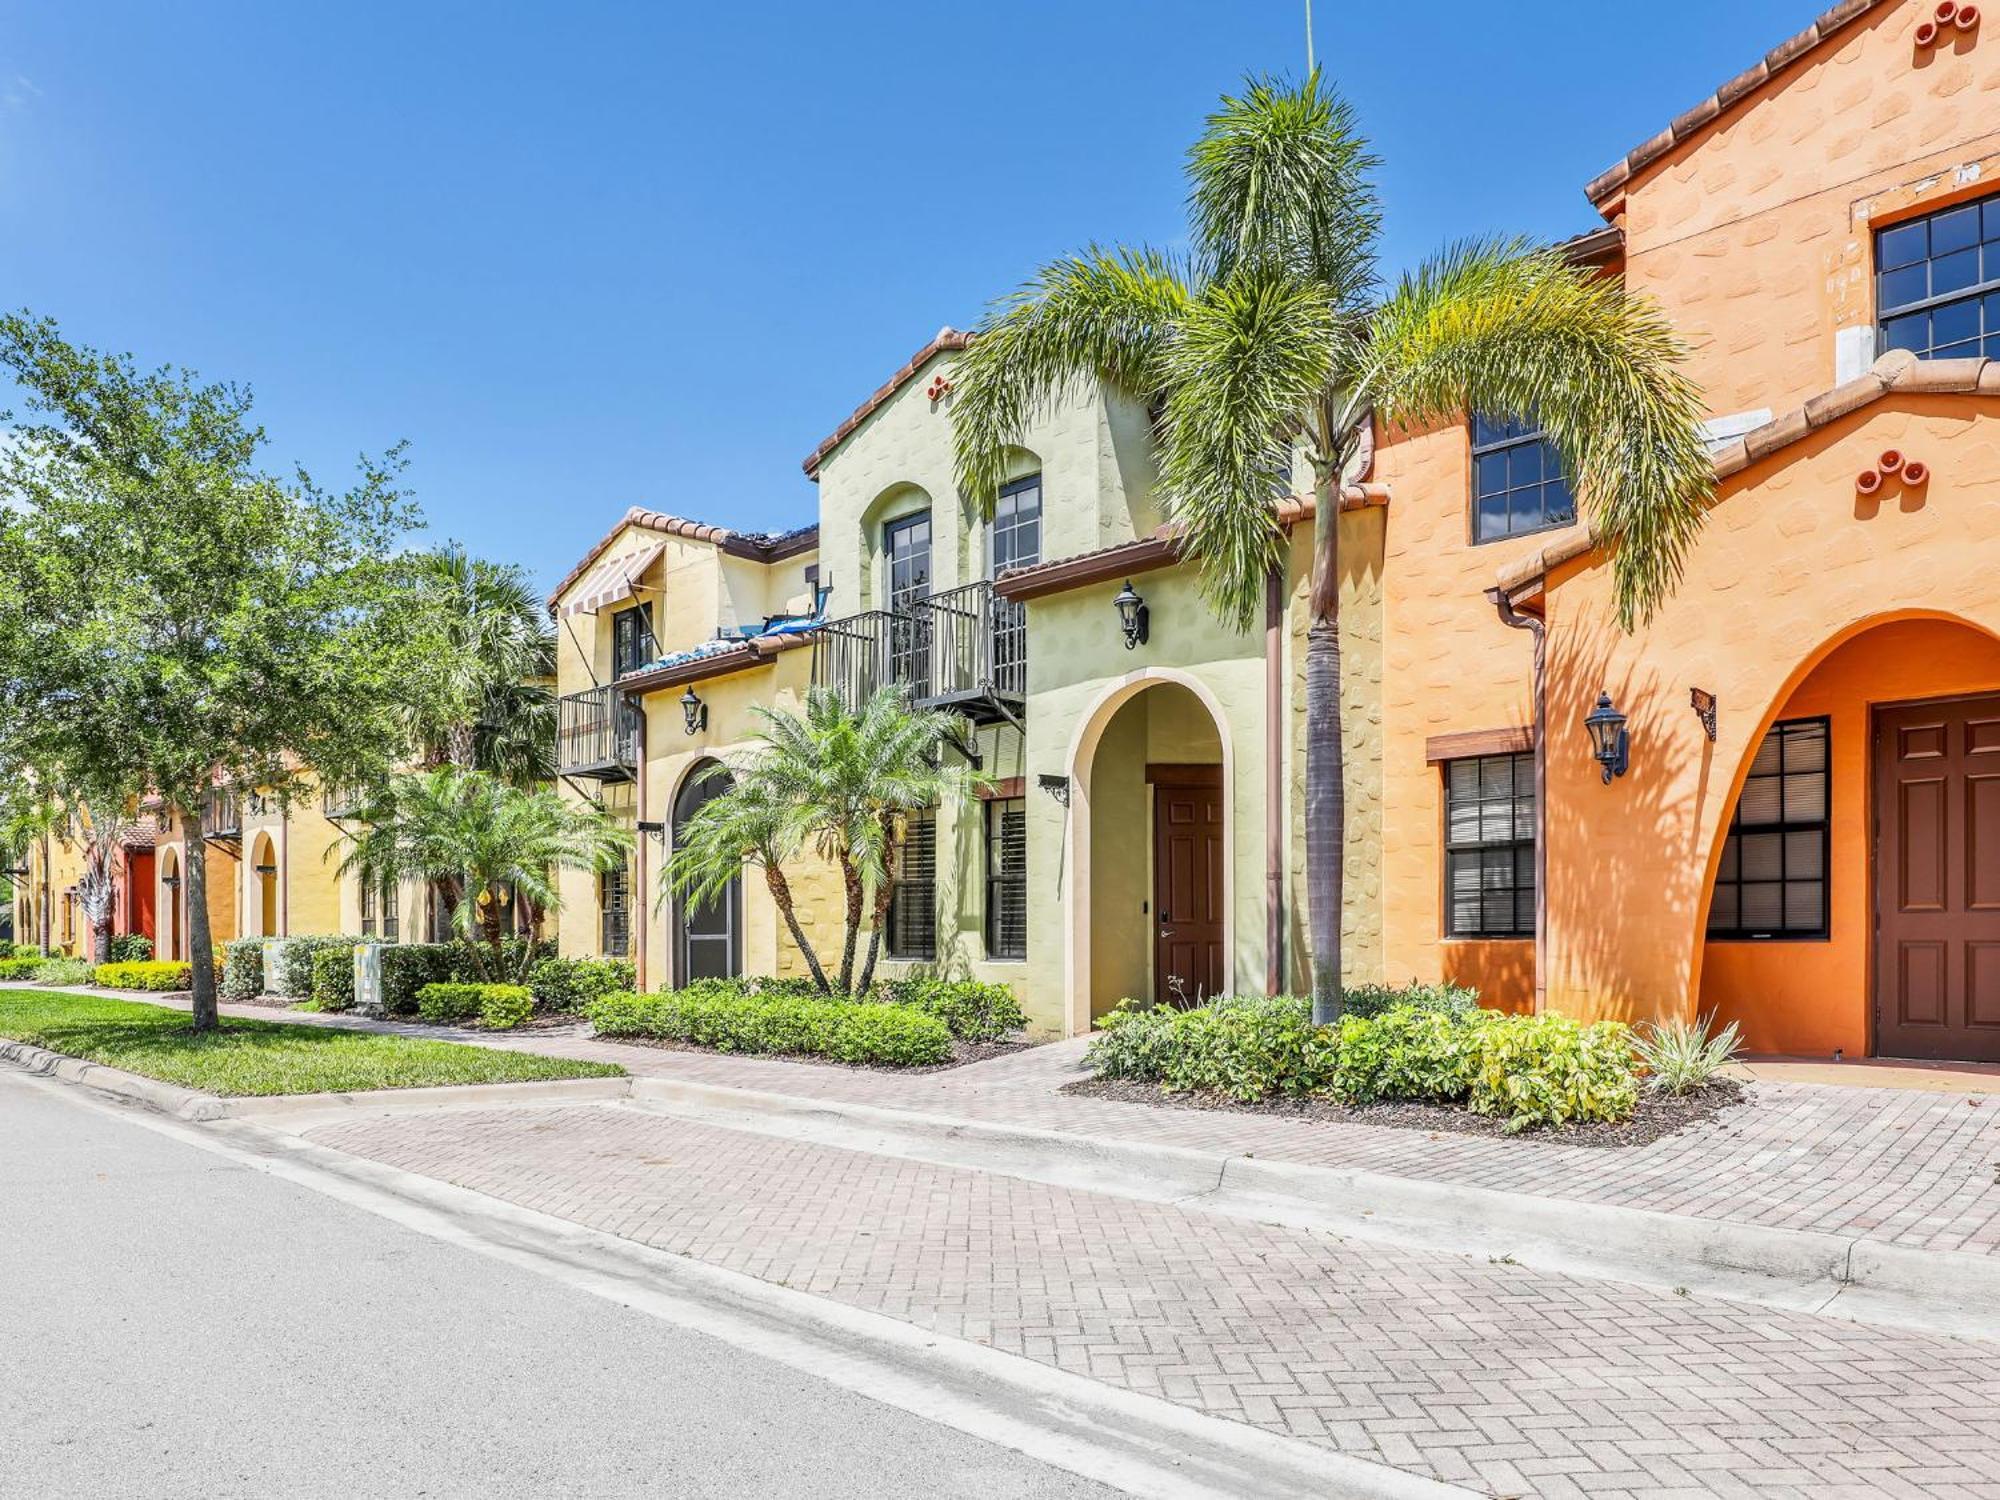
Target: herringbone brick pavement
[{"x": 1491, "y": 1375}]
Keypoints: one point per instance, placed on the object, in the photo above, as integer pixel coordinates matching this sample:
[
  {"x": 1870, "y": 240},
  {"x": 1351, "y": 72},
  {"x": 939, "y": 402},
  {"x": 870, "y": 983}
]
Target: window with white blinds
[
  {"x": 1489, "y": 819},
  {"x": 1772, "y": 879},
  {"x": 1007, "y": 878},
  {"x": 913, "y": 902}
]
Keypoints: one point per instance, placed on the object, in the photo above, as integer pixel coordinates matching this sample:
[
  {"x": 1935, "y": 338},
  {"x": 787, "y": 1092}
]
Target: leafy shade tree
[
  {"x": 174, "y": 617},
  {"x": 1275, "y": 336},
  {"x": 482, "y": 658},
  {"x": 839, "y": 781},
  {"x": 480, "y": 842}
]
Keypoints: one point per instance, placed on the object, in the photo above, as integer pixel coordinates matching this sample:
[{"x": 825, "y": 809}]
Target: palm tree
[
  {"x": 478, "y": 842},
  {"x": 482, "y": 660},
  {"x": 1274, "y": 335},
  {"x": 840, "y": 779}
]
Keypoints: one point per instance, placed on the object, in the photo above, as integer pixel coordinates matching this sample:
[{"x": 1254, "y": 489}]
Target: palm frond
[
  {"x": 1104, "y": 312},
  {"x": 1518, "y": 332}
]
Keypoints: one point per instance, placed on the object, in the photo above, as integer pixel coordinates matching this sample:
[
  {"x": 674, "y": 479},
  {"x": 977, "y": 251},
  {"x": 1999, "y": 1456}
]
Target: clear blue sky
[{"x": 584, "y": 256}]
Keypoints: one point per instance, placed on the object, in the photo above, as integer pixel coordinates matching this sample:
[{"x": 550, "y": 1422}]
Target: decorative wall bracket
[
  {"x": 1056, "y": 786},
  {"x": 937, "y": 390},
  {"x": 1703, "y": 703}
]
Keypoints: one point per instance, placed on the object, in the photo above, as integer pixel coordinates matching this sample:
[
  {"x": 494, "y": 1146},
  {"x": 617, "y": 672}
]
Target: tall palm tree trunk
[
  {"x": 781, "y": 897},
  {"x": 201, "y": 945},
  {"x": 1326, "y": 792},
  {"x": 883, "y": 891},
  {"x": 850, "y": 879}
]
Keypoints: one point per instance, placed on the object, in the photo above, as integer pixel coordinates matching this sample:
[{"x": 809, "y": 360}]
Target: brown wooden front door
[
  {"x": 1937, "y": 880},
  {"x": 1187, "y": 882}
]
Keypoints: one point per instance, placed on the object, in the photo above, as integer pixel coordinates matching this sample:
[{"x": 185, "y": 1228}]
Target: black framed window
[
  {"x": 367, "y": 909},
  {"x": 1937, "y": 283},
  {"x": 1007, "y": 878},
  {"x": 614, "y": 906},
  {"x": 913, "y": 903},
  {"x": 1017, "y": 525},
  {"x": 906, "y": 551},
  {"x": 391, "y": 918},
  {"x": 632, "y": 643},
  {"x": 1772, "y": 879},
  {"x": 1489, "y": 820},
  {"x": 1517, "y": 481}
]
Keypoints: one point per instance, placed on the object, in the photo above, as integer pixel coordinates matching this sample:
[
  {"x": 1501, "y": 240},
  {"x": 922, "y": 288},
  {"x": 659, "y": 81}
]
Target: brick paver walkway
[
  {"x": 1483, "y": 1374},
  {"x": 1910, "y": 1167}
]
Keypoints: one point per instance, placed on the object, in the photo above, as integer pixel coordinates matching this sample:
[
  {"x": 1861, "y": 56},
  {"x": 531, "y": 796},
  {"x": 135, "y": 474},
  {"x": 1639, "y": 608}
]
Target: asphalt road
[{"x": 175, "y": 1323}]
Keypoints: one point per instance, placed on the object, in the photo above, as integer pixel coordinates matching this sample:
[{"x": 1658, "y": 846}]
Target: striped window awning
[{"x": 612, "y": 581}]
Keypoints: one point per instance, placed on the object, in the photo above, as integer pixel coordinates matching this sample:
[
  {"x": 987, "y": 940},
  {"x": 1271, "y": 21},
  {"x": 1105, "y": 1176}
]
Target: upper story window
[
  {"x": 1517, "y": 481},
  {"x": 906, "y": 553},
  {"x": 1772, "y": 880},
  {"x": 1017, "y": 525},
  {"x": 632, "y": 643},
  {"x": 1937, "y": 283}
]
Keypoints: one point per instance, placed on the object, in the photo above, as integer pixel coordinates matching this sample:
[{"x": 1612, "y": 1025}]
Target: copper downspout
[
  {"x": 1539, "y": 629},
  {"x": 1275, "y": 720}
]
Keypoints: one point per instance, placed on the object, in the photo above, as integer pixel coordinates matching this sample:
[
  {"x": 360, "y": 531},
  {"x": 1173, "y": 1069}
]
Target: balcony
[
  {"x": 222, "y": 816},
  {"x": 963, "y": 650},
  {"x": 597, "y": 735}
]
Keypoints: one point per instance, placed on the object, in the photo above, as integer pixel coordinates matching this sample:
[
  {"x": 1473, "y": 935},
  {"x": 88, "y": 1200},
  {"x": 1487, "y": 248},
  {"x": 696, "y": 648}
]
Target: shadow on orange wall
[
  {"x": 1811, "y": 998},
  {"x": 1502, "y": 972}
]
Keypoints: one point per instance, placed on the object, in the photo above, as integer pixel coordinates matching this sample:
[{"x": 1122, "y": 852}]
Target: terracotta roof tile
[
  {"x": 763, "y": 546},
  {"x": 949, "y": 340}
]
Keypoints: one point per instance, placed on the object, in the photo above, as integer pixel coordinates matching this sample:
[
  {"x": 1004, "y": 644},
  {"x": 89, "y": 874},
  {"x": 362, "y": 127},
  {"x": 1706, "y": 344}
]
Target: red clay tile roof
[
  {"x": 949, "y": 340},
  {"x": 1898, "y": 370},
  {"x": 1603, "y": 188},
  {"x": 762, "y": 546}
]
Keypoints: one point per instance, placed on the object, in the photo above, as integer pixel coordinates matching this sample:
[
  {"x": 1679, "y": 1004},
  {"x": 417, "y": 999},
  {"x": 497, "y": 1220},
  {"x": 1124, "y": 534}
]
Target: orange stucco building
[{"x": 1817, "y": 858}]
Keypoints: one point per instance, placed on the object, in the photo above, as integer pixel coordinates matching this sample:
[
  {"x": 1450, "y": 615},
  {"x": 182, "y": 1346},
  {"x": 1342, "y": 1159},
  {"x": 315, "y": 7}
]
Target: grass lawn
[{"x": 261, "y": 1057}]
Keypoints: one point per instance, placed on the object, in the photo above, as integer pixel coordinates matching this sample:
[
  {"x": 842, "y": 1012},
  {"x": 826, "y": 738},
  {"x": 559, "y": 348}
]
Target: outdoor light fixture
[
  {"x": 1132, "y": 615},
  {"x": 694, "y": 712},
  {"x": 1610, "y": 747},
  {"x": 171, "y": 882},
  {"x": 1056, "y": 786},
  {"x": 1703, "y": 703},
  {"x": 657, "y": 832},
  {"x": 267, "y": 869}
]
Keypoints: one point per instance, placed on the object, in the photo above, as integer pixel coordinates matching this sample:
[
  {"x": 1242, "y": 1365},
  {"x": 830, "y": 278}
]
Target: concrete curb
[
  {"x": 150, "y": 1093},
  {"x": 1938, "y": 1291}
]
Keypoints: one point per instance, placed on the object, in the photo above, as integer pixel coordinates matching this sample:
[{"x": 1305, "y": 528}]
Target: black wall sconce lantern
[
  {"x": 1133, "y": 615},
  {"x": 1609, "y": 744},
  {"x": 171, "y": 882},
  {"x": 267, "y": 869},
  {"x": 694, "y": 712}
]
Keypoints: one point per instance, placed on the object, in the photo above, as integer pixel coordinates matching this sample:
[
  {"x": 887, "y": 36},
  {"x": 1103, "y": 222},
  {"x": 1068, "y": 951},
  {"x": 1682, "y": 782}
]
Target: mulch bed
[
  {"x": 1658, "y": 1115},
  {"x": 962, "y": 1053}
]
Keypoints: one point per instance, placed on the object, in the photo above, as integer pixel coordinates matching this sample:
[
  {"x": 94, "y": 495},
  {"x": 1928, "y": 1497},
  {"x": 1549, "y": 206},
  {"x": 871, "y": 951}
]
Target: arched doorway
[
  {"x": 264, "y": 870},
  {"x": 708, "y": 938},
  {"x": 1149, "y": 903},
  {"x": 1853, "y": 898},
  {"x": 170, "y": 902}
]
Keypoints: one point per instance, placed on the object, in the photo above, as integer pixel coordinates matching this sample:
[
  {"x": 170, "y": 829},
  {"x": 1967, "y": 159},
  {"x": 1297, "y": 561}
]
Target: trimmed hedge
[
  {"x": 571, "y": 983},
  {"x": 243, "y": 969},
  {"x": 16, "y": 969},
  {"x": 709, "y": 1015},
  {"x": 131, "y": 948},
  {"x": 333, "y": 979},
  {"x": 1531, "y": 1070},
  {"x": 973, "y": 1012},
  {"x": 292, "y": 961},
  {"x": 499, "y": 1006},
  {"x": 155, "y": 975}
]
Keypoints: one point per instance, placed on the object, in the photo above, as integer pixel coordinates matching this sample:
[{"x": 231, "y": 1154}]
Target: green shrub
[
  {"x": 153, "y": 975},
  {"x": 1374, "y": 999},
  {"x": 1550, "y": 1070},
  {"x": 243, "y": 969},
  {"x": 570, "y": 983},
  {"x": 16, "y": 969},
  {"x": 445, "y": 1002},
  {"x": 408, "y": 967},
  {"x": 790, "y": 986},
  {"x": 1407, "y": 1053},
  {"x": 294, "y": 960},
  {"x": 63, "y": 971},
  {"x": 715, "y": 1014},
  {"x": 131, "y": 948},
  {"x": 1680, "y": 1057},
  {"x": 506, "y": 1006},
  {"x": 333, "y": 979},
  {"x": 971, "y": 1011},
  {"x": 1132, "y": 1042}
]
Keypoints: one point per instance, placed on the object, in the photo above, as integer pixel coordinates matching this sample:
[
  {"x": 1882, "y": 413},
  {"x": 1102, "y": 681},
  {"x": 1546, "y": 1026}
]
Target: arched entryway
[
  {"x": 1853, "y": 899},
  {"x": 171, "y": 907},
  {"x": 707, "y": 938},
  {"x": 1150, "y": 890},
  {"x": 264, "y": 875}
]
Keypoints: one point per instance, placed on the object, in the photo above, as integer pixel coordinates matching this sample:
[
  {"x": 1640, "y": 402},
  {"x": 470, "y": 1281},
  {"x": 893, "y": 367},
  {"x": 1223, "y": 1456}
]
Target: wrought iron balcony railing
[
  {"x": 597, "y": 735},
  {"x": 222, "y": 814},
  {"x": 963, "y": 649}
]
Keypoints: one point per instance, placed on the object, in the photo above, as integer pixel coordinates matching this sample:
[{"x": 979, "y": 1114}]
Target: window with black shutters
[
  {"x": 1517, "y": 481},
  {"x": 614, "y": 903},
  {"x": 631, "y": 640},
  {"x": 1007, "y": 878},
  {"x": 1490, "y": 846},
  {"x": 1937, "y": 283},
  {"x": 913, "y": 901},
  {"x": 1772, "y": 879}
]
